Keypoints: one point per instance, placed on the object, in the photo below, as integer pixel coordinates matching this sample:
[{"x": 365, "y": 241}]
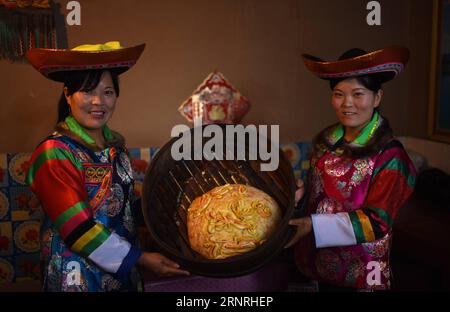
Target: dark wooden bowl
[{"x": 170, "y": 186}]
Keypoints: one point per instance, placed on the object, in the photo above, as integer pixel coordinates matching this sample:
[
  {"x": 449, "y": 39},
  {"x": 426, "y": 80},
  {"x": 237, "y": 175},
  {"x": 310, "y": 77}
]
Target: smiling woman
[
  {"x": 354, "y": 104},
  {"x": 91, "y": 101},
  {"x": 360, "y": 176},
  {"x": 82, "y": 176}
]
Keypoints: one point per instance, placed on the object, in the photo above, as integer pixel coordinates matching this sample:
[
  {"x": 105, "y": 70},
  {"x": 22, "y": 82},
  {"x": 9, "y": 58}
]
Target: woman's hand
[
  {"x": 160, "y": 265},
  {"x": 300, "y": 191},
  {"x": 304, "y": 227}
]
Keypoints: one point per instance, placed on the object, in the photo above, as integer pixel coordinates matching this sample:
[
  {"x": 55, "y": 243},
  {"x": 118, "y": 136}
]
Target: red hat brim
[
  {"x": 54, "y": 63},
  {"x": 385, "y": 63}
]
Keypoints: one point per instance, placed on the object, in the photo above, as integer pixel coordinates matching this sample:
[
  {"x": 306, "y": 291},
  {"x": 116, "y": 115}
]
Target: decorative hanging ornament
[
  {"x": 42, "y": 4},
  {"x": 26, "y": 24},
  {"x": 215, "y": 101}
]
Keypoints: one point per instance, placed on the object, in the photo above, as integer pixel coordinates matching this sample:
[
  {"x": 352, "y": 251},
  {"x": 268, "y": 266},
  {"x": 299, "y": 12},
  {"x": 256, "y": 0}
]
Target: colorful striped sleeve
[
  {"x": 57, "y": 179},
  {"x": 392, "y": 183}
]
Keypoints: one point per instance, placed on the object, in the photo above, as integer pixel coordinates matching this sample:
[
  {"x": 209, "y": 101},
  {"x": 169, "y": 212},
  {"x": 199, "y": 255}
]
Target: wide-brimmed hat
[
  {"x": 385, "y": 64},
  {"x": 55, "y": 63}
]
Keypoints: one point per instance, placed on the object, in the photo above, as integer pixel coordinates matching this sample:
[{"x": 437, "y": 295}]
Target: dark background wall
[{"x": 256, "y": 44}]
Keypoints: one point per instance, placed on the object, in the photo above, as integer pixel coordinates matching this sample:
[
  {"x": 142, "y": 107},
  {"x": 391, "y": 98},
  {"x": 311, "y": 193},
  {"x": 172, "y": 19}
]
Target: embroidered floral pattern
[
  {"x": 113, "y": 211},
  {"x": 82, "y": 156},
  {"x": 337, "y": 166},
  {"x": 109, "y": 283},
  {"x": 379, "y": 247},
  {"x": 124, "y": 169},
  {"x": 103, "y": 155},
  {"x": 73, "y": 284},
  {"x": 338, "y": 185},
  {"x": 128, "y": 221},
  {"x": 53, "y": 273},
  {"x": 356, "y": 269},
  {"x": 364, "y": 168},
  {"x": 329, "y": 205},
  {"x": 317, "y": 184},
  {"x": 340, "y": 181},
  {"x": 114, "y": 203},
  {"x": 328, "y": 264}
]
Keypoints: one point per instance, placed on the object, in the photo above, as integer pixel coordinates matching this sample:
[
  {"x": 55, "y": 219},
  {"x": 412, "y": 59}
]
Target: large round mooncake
[{"x": 230, "y": 220}]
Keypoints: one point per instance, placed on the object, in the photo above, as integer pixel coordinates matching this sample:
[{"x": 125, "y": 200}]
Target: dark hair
[
  {"x": 85, "y": 80},
  {"x": 370, "y": 82}
]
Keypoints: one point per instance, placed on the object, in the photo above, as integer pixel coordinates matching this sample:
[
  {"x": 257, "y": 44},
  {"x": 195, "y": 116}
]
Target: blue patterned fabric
[
  {"x": 21, "y": 215},
  {"x": 113, "y": 211}
]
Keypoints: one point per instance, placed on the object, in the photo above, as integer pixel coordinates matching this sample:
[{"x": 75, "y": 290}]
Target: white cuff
[
  {"x": 332, "y": 230},
  {"x": 110, "y": 254}
]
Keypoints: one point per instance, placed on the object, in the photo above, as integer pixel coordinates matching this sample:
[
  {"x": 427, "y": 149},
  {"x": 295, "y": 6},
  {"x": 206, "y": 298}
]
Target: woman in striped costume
[
  {"x": 359, "y": 177},
  {"x": 83, "y": 177}
]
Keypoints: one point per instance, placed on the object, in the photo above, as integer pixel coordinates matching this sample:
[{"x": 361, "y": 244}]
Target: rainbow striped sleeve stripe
[
  {"x": 392, "y": 183},
  {"x": 57, "y": 179}
]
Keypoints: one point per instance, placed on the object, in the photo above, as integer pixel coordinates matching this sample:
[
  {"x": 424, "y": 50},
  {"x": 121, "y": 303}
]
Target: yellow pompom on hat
[{"x": 54, "y": 63}]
